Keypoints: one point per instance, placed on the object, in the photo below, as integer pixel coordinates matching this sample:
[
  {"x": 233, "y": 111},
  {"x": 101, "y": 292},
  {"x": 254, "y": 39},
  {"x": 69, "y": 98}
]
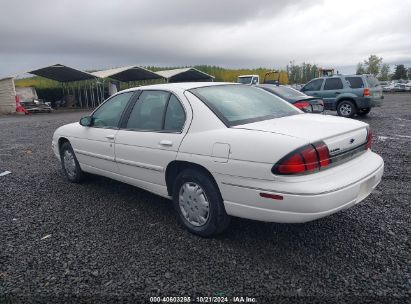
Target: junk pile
[{"x": 28, "y": 102}]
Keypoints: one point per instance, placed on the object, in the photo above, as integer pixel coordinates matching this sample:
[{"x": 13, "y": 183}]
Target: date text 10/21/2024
[{"x": 207, "y": 299}]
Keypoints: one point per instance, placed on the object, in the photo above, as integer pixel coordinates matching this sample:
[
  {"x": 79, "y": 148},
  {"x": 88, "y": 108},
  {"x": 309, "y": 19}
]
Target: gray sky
[{"x": 100, "y": 34}]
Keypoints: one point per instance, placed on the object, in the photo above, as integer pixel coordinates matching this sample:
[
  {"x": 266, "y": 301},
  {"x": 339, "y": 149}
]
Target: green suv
[{"x": 347, "y": 94}]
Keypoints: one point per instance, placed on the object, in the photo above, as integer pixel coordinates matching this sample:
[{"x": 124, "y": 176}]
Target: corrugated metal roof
[
  {"x": 6, "y": 77},
  {"x": 130, "y": 73},
  {"x": 185, "y": 74},
  {"x": 62, "y": 73}
]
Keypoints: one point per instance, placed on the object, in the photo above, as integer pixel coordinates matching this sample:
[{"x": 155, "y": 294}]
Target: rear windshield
[
  {"x": 355, "y": 82},
  {"x": 244, "y": 80},
  {"x": 372, "y": 81},
  {"x": 238, "y": 104},
  {"x": 284, "y": 91}
]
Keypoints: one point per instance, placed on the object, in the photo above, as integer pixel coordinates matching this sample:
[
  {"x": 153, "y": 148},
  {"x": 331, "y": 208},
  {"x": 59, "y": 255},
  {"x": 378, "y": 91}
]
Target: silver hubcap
[
  {"x": 194, "y": 204},
  {"x": 345, "y": 109},
  {"x": 69, "y": 163}
]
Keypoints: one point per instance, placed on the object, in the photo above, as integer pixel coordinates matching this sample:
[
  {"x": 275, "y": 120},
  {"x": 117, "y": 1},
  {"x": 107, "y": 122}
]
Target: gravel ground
[{"x": 103, "y": 241}]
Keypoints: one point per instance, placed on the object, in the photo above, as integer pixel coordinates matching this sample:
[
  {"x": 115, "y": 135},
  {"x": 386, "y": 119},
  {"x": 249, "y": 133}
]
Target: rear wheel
[
  {"x": 363, "y": 112},
  {"x": 69, "y": 163},
  {"x": 346, "y": 108},
  {"x": 199, "y": 204}
]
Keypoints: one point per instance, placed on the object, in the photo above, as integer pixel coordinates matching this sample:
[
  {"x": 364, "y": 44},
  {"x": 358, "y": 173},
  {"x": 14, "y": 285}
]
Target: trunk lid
[{"x": 339, "y": 134}]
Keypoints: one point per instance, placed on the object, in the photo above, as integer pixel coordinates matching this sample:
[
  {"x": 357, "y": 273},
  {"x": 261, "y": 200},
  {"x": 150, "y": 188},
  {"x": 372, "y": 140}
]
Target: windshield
[
  {"x": 284, "y": 91},
  {"x": 237, "y": 104},
  {"x": 244, "y": 80}
]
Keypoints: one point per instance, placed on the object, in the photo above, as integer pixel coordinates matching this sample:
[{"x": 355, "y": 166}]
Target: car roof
[{"x": 180, "y": 86}]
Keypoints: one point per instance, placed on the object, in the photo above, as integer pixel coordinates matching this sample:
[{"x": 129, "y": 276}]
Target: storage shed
[
  {"x": 7, "y": 96},
  {"x": 185, "y": 75}
]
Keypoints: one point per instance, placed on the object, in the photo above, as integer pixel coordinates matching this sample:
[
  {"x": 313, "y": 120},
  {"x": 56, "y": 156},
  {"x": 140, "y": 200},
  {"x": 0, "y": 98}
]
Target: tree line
[
  {"x": 374, "y": 65},
  {"x": 294, "y": 73}
]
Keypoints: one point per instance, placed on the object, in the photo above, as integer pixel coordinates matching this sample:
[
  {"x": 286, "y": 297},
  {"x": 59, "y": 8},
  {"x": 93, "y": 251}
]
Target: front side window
[
  {"x": 314, "y": 85},
  {"x": 157, "y": 111},
  {"x": 238, "y": 104},
  {"x": 333, "y": 84},
  {"x": 109, "y": 114}
]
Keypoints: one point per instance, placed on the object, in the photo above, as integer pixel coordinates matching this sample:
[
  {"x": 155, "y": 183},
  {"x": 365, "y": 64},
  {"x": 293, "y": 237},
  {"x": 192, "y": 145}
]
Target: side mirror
[{"x": 86, "y": 121}]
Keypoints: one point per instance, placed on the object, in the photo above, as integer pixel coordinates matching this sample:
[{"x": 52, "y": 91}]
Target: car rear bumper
[
  {"x": 369, "y": 102},
  {"x": 308, "y": 199}
]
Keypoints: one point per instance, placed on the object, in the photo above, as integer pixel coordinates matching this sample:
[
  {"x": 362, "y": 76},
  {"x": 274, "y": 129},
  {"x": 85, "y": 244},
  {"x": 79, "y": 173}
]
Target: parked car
[
  {"x": 220, "y": 150},
  {"x": 388, "y": 88},
  {"x": 248, "y": 79},
  {"x": 397, "y": 87},
  {"x": 296, "y": 98},
  {"x": 348, "y": 95}
]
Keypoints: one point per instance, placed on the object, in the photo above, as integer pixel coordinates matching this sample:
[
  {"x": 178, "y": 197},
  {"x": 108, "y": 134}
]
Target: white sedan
[{"x": 220, "y": 150}]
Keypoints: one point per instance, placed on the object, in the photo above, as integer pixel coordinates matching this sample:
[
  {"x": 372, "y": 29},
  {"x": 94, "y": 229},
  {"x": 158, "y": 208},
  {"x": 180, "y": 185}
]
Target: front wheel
[
  {"x": 199, "y": 204},
  {"x": 69, "y": 163},
  {"x": 346, "y": 108}
]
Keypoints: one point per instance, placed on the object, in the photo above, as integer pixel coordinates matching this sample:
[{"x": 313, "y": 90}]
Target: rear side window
[
  {"x": 157, "y": 111},
  {"x": 148, "y": 111},
  {"x": 314, "y": 85},
  {"x": 355, "y": 82},
  {"x": 175, "y": 115},
  {"x": 333, "y": 84}
]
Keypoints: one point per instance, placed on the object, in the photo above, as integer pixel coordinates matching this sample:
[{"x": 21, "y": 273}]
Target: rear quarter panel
[{"x": 250, "y": 153}]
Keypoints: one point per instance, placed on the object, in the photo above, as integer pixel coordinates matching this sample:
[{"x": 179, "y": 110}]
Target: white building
[{"x": 7, "y": 96}]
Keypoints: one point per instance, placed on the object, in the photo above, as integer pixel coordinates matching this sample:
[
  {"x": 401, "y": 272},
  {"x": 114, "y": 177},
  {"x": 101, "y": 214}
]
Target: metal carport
[
  {"x": 132, "y": 75},
  {"x": 185, "y": 75},
  {"x": 82, "y": 85},
  {"x": 62, "y": 73},
  {"x": 127, "y": 74}
]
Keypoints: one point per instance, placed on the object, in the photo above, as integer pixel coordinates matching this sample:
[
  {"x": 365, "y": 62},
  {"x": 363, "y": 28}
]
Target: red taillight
[
  {"x": 366, "y": 92},
  {"x": 306, "y": 159},
  {"x": 369, "y": 139},
  {"x": 310, "y": 158},
  {"x": 301, "y": 104},
  {"x": 323, "y": 154},
  {"x": 293, "y": 164}
]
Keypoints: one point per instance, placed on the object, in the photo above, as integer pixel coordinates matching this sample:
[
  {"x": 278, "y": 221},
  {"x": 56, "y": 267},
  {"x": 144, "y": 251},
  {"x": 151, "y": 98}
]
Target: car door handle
[
  {"x": 168, "y": 143},
  {"x": 111, "y": 137},
  {"x": 315, "y": 93},
  {"x": 336, "y": 93}
]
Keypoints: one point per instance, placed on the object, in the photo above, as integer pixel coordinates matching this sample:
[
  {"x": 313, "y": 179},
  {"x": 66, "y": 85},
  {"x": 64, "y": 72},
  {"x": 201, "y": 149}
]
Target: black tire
[
  {"x": 74, "y": 174},
  {"x": 364, "y": 112},
  {"x": 217, "y": 219},
  {"x": 346, "y": 108}
]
